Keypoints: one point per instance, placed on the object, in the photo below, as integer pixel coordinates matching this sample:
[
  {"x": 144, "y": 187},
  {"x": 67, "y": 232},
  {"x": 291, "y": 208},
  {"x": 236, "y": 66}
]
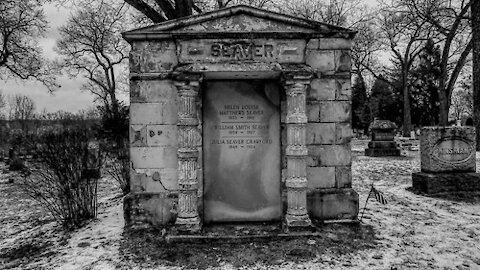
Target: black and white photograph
[{"x": 239, "y": 134}]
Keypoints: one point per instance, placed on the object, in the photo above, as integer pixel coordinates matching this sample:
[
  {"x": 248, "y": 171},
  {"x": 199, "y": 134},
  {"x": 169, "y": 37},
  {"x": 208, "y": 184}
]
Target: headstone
[
  {"x": 383, "y": 139},
  {"x": 447, "y": 160}
]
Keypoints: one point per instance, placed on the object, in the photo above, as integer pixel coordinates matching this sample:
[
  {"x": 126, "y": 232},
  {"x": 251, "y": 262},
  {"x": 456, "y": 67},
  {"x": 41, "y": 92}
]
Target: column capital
[
  {"x": 297, "y": 72},
  {"x": 189, "y": 78},
  {"x": 296, "y": 182}
]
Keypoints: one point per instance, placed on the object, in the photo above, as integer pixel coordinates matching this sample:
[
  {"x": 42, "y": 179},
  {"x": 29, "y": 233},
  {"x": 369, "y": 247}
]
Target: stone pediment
[{"x": 238, "y": 20}]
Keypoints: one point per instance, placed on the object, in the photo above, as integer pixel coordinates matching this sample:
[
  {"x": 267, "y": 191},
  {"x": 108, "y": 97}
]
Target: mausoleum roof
[{"x": 238, "y": 22}]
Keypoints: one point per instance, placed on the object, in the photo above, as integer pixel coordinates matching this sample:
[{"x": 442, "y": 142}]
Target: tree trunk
[
  {"x": 443, "y": 98},
  {"x": 407, "y": 116},
  {"x": 475, "y": 8},
  {"x": 183, "y": 8}
]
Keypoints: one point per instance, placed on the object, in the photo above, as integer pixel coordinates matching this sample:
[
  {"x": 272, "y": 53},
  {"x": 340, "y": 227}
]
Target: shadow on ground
[
  {"x": 461, "y": 196},
  {"x": 148, "y": 246}
]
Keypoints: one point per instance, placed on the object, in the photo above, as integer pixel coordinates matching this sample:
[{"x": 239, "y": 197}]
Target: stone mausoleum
[{"x": 240, "y": 115}]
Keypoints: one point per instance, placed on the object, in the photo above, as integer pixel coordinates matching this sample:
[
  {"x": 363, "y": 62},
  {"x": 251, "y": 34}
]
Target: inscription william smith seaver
[
  {"x": 241, "y": 151},
  {"x": 242, "y": 126}
]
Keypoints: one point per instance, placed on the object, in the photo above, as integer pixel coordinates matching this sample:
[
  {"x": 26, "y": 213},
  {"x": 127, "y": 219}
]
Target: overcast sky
[{"x": 69, "y": 97}]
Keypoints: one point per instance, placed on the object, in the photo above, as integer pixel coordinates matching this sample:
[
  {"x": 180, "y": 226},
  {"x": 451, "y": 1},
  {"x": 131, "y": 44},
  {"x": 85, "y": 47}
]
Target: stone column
[
  {"x": 188, "y": 133},
  {"x": 296, "y": 151}
]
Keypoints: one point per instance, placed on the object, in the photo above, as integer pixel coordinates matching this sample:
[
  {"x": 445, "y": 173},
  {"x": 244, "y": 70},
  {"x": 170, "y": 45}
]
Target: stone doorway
[{"x": 241, "y": 151}]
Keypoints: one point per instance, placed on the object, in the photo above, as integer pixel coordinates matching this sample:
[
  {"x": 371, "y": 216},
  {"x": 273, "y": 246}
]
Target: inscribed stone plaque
[
  {"x": 242, "y": 151},
  {"x": 448, "y": 149}
]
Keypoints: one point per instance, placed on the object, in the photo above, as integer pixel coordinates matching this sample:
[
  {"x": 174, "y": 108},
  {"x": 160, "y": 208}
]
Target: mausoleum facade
[{"x": 240, "y": 115}]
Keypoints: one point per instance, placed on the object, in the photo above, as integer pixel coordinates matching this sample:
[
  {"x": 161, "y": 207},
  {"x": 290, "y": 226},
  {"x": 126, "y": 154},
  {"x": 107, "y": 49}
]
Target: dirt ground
[{"x": 410, "y": 232}]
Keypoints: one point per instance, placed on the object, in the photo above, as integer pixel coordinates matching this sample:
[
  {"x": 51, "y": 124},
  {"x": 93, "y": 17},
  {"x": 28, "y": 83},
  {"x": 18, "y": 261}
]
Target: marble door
[{"x": 241, "y": 151}]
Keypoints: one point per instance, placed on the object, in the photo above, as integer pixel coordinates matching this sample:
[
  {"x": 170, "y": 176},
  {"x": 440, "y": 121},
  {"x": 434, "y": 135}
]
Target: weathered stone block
[
  {"x": 162, "y": 135},
  {"x": 344, "y": 89},
  {"x": 321, "y": 61},
  {"x": 320, "y": 133},
  {"x": 335, "y": 111},
  {"x": 343, "y": 176},
  {"x": 322, "y": 89},
  {"x": 138, "y": 135},
  {"x": 313, "y": 112},
  {"x": 153, "y": 180},
  {"x": 149, "y": 209},
  {"x": 154, "y": 46},
  {"x": 335, "y": 44},
  {"x": 153, "y": 91},
  {"x": 313, "y": 43},
  {"x": 153, "y": 61},
  {"x": 342, "y": 61},
  {"x": 153, "y": 113},
  {"x": 320, "y": 177},
  {"x": 445, "y": 182},
  {"x": 337, "y": 204},
  {"x": 291, "y": 51},
  {"x": 343, "y": 133},
  {"x": 330, "y": 155},
  {"x": 448, "y": 149},
  {"x": 153, "y": 157}
]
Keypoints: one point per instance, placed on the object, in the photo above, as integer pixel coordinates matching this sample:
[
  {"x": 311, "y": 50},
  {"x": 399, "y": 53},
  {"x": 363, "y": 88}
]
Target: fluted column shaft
[
  {"x": 188, "y": 132},
  {"x": 296, "y": 152}
]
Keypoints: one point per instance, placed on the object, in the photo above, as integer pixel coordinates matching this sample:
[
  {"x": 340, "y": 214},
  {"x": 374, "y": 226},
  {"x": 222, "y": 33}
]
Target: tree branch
[{"x": 147, "y": 10}]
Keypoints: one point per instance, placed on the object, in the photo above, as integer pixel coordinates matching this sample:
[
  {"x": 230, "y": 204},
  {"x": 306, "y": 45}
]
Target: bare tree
[
  {"x": 404, "y": 36},
  {"x": 22, "y": 23},
  {"x": 91, "y": 45},
  {"x": 462, "y": 99},
  {"x": 475, "y": 10},
  {"x": 3, "y": 104},
  {"x": 451, "y": 20},
  {"x": 346, "y": 13},
  {"x": 21, "y": 107}
]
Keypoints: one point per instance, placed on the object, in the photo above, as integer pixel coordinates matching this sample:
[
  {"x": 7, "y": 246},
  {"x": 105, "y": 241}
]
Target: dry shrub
[
  {"x": 65, "y": 179},
  {"x": 119, "y": 167}
]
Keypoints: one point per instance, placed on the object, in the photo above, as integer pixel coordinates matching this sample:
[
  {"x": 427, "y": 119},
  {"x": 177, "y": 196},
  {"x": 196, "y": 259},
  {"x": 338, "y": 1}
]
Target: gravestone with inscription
[
  {"x": 447, "y": 160},
  {"x": 383, "y": 139},
  {"x": 240, "y": 115}
]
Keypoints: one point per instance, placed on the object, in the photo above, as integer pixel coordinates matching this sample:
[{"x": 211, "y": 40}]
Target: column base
[
  {"x": 293, "y": 221},
  {"x": 432, "y": 183},
  {"x": 382, "y": 152},
  {"x": 191, "y": 225},
  {"x": 333, "y": 204}
]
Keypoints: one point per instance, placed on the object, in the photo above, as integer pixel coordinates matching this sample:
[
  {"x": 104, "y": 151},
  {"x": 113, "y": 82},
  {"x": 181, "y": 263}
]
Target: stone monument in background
[
  {"x": 383, "y": 139},
  {"x": 447, "y": 160}
]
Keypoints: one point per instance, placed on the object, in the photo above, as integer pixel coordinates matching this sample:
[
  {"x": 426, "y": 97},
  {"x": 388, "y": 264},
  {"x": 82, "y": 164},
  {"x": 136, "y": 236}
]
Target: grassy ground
[{"x": 411, "y": 232}]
